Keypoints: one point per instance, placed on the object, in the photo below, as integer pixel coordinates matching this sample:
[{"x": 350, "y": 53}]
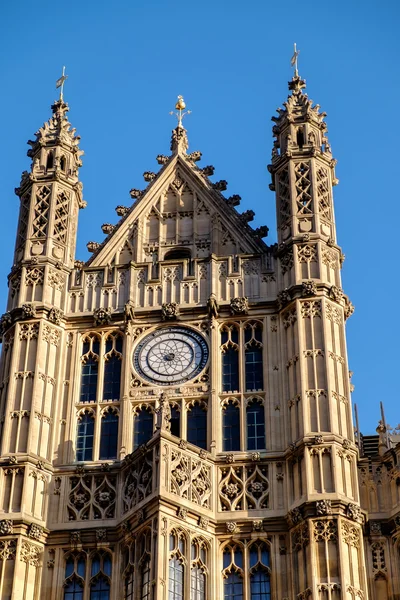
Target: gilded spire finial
[
  {"x": 60, "y": 83},
  {"x": 293, "y": 60},
  {"x": 180, "y": 107}
]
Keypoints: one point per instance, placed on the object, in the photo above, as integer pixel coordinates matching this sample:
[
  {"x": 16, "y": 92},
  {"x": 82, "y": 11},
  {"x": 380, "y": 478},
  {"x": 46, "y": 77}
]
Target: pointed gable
[{"x": 179, "y": 209}]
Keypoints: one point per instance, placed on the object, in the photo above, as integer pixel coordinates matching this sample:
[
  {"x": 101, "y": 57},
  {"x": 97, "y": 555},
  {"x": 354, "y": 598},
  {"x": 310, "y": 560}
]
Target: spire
[
  {"x": 179, "y": 140},
  {"x": 51, "y": 192}
]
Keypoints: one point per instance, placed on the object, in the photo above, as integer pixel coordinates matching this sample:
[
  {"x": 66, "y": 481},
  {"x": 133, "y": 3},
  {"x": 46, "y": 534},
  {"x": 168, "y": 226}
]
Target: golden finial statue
[
  {"x": 180, "y": 107},
  {"x": 293, "y": 60}
]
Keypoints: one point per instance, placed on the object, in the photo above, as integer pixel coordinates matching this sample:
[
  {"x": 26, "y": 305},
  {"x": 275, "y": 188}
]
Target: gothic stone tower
[{"x": 176, "y": 417}]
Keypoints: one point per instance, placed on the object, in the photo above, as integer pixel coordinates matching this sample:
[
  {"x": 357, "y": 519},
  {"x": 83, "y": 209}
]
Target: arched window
[
  {"x": 109, "y": 435},
  {"x": 143, "y": 427},
  {"x": 230, "y": 427},
  {"x": 84, "y": 436},
  {"x": 197, "y": 426},
  {"x": 90, "y": 369},
  {"x": 175, "y": 421},
  {"x": 300, "y": 137},
  {"x": 253, "y": 357},
  {"x": 63, "y": 163},
  {"x": 259, "y": 570},
  {"x": 50, "y": 161},
  {"x": 100, "y": 576},
  {"x": 230, "y": 358},
  {"x": 128, "y": 574},
  {"x": 74, "y": 577},
  {"x": 176, "y": 567},
  {"x": 233, "y": 572},
  {"x": 198, "y": 578},
  {"x": 255, "y": 426},
  {"x": 145, "y": 566},
  {"x": 112, "y": 368},
  {"x": 145, "y": 582}
]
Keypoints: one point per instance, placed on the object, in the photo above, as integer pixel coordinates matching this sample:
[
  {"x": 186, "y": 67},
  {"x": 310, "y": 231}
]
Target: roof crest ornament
[
  {"x": 60, "y": 84},
  {"x": 180, "y": 107},
  {"x": 293, "y": 60},
  {"x": 179, "y": 141}
]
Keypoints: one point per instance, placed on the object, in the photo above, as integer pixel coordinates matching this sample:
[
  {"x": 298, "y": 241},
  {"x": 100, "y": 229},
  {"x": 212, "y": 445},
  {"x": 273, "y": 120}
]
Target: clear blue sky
[{"x": 128, "y": 60}]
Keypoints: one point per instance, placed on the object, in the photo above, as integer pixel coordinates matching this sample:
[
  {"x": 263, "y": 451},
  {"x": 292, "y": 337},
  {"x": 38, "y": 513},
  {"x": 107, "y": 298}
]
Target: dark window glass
[
  {"x": 175, "y": 582},
  {"x": 109, "y": 436},
  {"x": 233, "y": 587},
  {"x": 63, "y": 163},
  {"x": 89, "y": 380},
  {"x": 112, "y": 378},
  {"x": 230, "y": 370},
  {"x": 197, "y": 427},
  {"x": 73, "y": 590},
  {"x": 254, "y": 369},
  {"x": 255, "y": 427},
  {"x": 175, "y": 421},
  {"x": 231, "y": 428},
  {"x": 260, "y": 585},
  {"x": 49, "y": 161},
  {"x": 100, "y": 589},
  {"x": 143, "y": 428},
  {"x": 84, "y": 438}
]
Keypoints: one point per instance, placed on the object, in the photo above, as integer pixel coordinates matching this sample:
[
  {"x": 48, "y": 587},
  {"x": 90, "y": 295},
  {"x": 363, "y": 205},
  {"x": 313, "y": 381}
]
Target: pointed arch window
[
  {"x": 259, "y": 571},
  {"x": 255, "y": 416},
  {"x": 100, "y": 576},
  {"x": 112, "y": 367},
  {"x": 176, "y": 566},
  {"x": 143, "y": 427},
  {"x": 253, "y": 357},
  {"x": 109, "y": 434},
  {"x": 74, "y": 582},
  {"x": 231, "y": 427},
  {"x": 145, "y": 566},
  {"x": 198, "y": 570},
  {"x": 230, "y": 358},
  {"x": 63, "y": 163},
  {"x": 50, "y": 160},
  {"x": 128, "y": 574},
  {"x": 85, "y": 436},
  {"x": 197, "y": 425},
  {"x": 90, "y": 368},
  {"x": 233, "y": 572}
]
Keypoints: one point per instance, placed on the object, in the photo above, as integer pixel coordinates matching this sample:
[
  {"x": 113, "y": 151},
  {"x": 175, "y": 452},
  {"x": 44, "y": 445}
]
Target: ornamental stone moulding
[
  {"x": 239, "y": 306},
  {"x": 102, "y": 316},
  {"x": 169, "y": 310}
]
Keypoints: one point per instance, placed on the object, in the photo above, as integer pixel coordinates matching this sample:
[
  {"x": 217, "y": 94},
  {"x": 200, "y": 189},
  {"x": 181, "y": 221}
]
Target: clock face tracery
[{"x": 171, "y": 355}]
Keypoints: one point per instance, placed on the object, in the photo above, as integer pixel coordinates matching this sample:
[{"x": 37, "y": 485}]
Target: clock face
[{"x": 171, "y": 355}]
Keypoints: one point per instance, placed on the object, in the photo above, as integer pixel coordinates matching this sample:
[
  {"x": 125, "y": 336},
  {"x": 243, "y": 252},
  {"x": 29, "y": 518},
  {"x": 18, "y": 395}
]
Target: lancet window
[
  {"x": 242, "y": 357},
  {"x": 188, "y": 571},
  {"x": 145, "y": 566},
  {"x": 97, "y": 427},
  {"x": 243, "y": 376},
  {"x": 128, "y": 572},
  {"x": 246, "y": 571},
  {"x": 88, "y": 576}
]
